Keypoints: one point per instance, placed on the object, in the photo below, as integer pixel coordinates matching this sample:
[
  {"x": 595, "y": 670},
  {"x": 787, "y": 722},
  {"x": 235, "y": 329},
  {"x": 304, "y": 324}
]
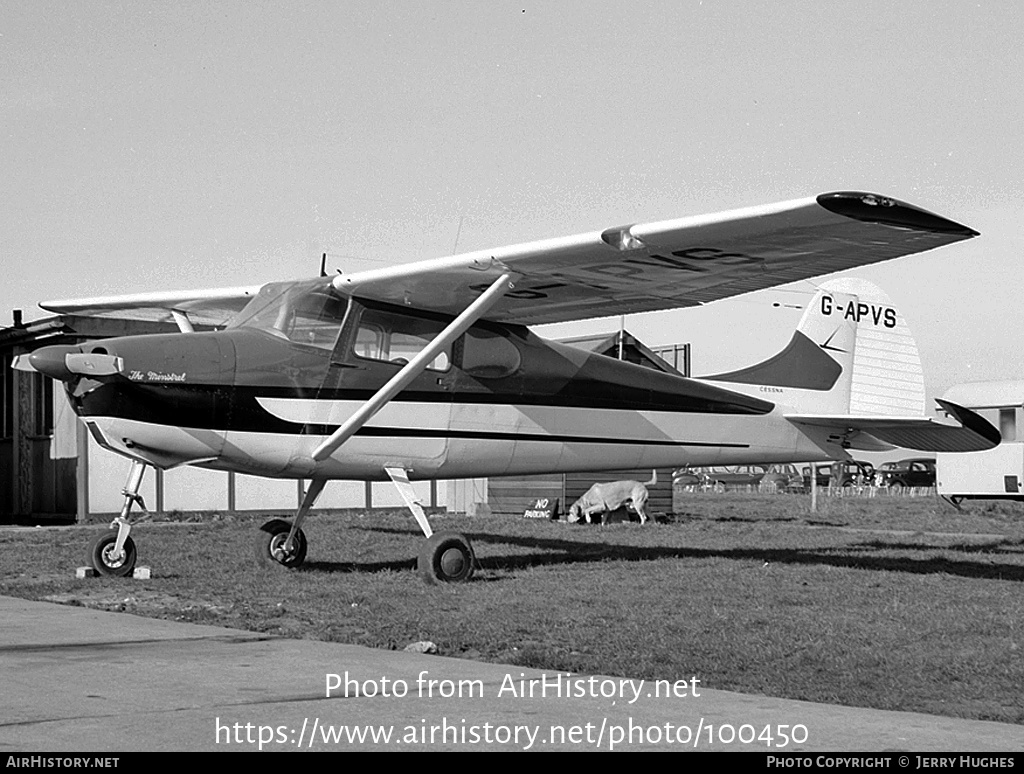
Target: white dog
[{"x": 605, "y": 498}]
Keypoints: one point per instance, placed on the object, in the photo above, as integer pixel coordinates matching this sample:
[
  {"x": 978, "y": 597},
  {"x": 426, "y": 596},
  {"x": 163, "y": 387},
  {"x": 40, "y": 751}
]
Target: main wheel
[
  {"x": 446, "y": 557},
  {"x": 106, "y": 561},
  {"x": 270, "y": 548}
]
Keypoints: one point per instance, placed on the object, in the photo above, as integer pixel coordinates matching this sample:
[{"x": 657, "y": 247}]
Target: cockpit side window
[
  {"x": 397, "y": 338},
  {"x": 315, "y": 319},
  {"x": 303, "y": 313},
  {"x": 371, "y": 341}
]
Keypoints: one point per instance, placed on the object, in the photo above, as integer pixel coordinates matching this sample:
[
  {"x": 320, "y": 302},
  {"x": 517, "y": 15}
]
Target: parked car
[
  {"x": 912, "y": 472},
  {"x": 822, "y": 470},
  {"x": 781, "y": 478},
  {"x": 842, "y": 473},
  {"x": 734, "y": 475},
  {"x": 853, "y": 473},
  {"x": 687, "y": 476}
]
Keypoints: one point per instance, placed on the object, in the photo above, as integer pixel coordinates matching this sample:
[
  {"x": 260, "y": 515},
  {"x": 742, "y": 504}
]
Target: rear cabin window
[{"x": 488, "y": 355}]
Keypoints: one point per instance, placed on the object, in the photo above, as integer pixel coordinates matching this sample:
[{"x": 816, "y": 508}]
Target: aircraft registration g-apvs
[{"x": 428, "y": 369}]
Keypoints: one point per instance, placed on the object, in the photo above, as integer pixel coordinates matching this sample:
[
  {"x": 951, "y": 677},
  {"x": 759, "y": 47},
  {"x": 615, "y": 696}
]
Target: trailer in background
[{"x": 995, "y": 474}]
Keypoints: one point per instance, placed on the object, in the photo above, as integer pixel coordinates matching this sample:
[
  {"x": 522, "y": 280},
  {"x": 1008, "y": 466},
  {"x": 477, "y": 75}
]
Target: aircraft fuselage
[{"x": 261, "y": 395}]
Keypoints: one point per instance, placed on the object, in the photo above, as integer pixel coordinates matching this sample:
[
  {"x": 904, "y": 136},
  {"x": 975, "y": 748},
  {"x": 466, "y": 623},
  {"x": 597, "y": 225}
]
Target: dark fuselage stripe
[
  {"x": 403, "y": 432},
  {"x": 238, "y": 409}
]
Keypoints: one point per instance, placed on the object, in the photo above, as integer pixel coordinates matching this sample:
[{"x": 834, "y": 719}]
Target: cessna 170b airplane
[{"x": 428, "y": 369}]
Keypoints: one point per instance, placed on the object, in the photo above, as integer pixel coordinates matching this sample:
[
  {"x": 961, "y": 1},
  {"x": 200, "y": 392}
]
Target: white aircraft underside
[{"x": 466, "y": 441}]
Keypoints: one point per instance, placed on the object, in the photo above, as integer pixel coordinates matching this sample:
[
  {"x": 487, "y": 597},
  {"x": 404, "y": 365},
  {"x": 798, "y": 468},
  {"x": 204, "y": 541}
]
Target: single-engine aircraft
[{"x": 428, "y": 369}]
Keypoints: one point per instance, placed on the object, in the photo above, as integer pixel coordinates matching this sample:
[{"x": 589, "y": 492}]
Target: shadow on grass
[
  {"x": 999, "y": 546},
  {"x": 567, "y": 552},
  {"x": 343, "y": 567},
  {"x": 732, "y": 519}
]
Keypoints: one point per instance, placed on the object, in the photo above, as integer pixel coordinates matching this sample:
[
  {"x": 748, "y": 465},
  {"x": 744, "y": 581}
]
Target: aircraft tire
[
  {"x": 102, "y": 559},
  {"x": 270, "y": 545},
  {"x": 446, "y": 557}
]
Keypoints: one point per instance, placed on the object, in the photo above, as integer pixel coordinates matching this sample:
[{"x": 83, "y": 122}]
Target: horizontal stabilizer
[{"x": 971, "y": 433}]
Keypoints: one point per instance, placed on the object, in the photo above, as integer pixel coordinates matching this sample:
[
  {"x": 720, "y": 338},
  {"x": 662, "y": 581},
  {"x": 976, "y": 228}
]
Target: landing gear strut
[
  {"x": 446, "y": 557},
  {"x": 113, "y": 553},
  {"x": 282, "y": 543}
]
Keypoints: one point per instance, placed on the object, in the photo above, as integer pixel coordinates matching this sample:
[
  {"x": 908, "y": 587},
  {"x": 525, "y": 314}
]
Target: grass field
[{"x": 895, "y": 603}]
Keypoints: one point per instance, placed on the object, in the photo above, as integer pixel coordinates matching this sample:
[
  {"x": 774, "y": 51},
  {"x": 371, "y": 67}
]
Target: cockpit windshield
[{"x": 309, "y": 313}]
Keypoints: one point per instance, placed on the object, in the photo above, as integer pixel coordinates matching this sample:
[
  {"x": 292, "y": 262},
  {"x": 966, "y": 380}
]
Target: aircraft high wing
[
  {"x": 670, "y": 264},
  {"x": 427, "y": 370},
  {"x": 618, "y": 270}
]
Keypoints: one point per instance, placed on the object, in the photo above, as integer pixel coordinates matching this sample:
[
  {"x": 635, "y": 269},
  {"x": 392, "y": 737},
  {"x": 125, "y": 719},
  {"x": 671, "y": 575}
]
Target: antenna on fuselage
[{"x": 323, "y": 265}]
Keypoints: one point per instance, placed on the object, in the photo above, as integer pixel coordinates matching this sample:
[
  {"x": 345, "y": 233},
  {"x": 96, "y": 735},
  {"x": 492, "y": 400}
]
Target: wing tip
[{"x": 874, "y": 208}]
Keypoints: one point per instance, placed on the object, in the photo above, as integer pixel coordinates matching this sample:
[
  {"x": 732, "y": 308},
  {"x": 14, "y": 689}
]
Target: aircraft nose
[{"x": 52, "y": 361}]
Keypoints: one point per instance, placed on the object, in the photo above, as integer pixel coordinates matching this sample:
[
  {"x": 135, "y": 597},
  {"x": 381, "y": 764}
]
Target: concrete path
[{"x": 81, "y": 680}]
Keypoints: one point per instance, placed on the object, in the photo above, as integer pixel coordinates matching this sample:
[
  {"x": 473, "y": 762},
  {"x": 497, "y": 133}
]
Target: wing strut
[
  {"x": 416, "y": 366},
  {"x": 182, "y": 320}
]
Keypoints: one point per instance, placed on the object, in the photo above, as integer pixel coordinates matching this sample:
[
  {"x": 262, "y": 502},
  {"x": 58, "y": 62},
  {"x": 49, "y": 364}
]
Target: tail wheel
[
  {"x": 271, "y": 550},
  {"x": 106, "y": 560},
  {"x": 446, "y": 557}
]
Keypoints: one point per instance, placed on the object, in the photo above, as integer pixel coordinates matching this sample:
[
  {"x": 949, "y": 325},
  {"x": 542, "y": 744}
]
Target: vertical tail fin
[
  {"x": 887, "y": 374},
  {"x": 852, "y": 353}
]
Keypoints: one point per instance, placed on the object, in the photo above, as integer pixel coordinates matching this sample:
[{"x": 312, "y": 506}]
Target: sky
[{"x": 158, "y": 146}]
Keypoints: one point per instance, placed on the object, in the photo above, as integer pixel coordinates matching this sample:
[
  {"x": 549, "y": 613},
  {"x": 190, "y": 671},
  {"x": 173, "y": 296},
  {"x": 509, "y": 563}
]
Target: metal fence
[{"x": 823, "y": 491}]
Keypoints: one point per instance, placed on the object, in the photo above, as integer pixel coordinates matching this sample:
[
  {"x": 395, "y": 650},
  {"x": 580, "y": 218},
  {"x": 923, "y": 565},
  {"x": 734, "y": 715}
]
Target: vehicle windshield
[{"x": 308, "y": 313}]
